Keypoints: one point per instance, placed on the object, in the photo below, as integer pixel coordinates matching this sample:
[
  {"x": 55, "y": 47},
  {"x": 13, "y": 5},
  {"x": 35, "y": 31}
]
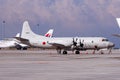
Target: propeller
[
  {"x": 81, "y": 44},
  {"x": 74, "y": 42},
  {"x": 77, "y": 44}
]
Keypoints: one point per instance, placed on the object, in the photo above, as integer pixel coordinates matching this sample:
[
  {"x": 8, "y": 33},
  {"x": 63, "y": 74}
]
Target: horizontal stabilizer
[{"x": 22, "y": 40}]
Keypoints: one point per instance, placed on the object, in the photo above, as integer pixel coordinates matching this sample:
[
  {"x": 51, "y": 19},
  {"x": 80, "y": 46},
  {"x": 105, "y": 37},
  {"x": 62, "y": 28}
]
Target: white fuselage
[{"x": 89, "y": 42}]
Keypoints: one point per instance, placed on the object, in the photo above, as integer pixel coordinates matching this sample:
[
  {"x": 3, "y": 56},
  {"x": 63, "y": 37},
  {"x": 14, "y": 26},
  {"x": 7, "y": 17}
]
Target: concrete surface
[{"x": 48, "y": 65}]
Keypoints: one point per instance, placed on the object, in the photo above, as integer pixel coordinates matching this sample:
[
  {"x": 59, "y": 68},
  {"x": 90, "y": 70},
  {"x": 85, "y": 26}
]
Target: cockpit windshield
[{"x": 105, "y": 40}]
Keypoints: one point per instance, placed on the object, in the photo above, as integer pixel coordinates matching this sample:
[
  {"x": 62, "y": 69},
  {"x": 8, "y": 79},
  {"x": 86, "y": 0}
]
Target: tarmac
[{"x": 48, "y": 65}]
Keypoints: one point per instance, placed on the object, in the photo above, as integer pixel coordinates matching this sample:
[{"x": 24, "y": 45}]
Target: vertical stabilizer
[
  {"x": 17, "y": 35},
  {"x": 27, "y": 33},
  {"x": 118, "y": 21},
  {"x": 49, "y": 33}
]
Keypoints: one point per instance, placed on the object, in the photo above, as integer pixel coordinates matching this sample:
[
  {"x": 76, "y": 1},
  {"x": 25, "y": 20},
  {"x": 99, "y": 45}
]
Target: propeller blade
[
  {"x": 74, "y": 43},
  {"x": 81, "y": 44}
]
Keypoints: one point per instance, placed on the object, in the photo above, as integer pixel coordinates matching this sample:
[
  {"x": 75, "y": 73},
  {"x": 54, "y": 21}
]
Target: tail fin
[
  {"x": 118, "y": 21},
  {"x": 49, "y": 33},
  {"x": 17, "y": 35},
  {"x": 27, "y": 33}
]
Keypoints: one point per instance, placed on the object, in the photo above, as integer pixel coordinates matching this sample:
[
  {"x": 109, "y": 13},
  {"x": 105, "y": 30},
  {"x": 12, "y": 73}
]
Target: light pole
[
  {"x": 1, "y": 32},
  {"x": 38, "y": 28},
  {"x": 3, "y": 29}
]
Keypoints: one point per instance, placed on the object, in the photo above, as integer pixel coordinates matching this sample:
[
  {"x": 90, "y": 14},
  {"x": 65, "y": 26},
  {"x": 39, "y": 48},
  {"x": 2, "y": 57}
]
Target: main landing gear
[
  {"x": 59, "y": 51},
  {"x": 64, "y": 52},
  {"x": 21, "y": 48},
  {"x": 77, "y": 52}
]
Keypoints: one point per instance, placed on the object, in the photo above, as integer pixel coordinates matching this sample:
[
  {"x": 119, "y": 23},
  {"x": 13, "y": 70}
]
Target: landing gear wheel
[
  {"x": 64, "y": 52},
  {"x": 19, "y": 48},
  {"x": 102, "y": 52},
  {"x": 24, "y": 48},
  {"x": 77, "y": 52}
]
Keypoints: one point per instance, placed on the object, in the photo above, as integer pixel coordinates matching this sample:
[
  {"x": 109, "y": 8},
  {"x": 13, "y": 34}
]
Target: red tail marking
[{"x": 43, "y": 43}]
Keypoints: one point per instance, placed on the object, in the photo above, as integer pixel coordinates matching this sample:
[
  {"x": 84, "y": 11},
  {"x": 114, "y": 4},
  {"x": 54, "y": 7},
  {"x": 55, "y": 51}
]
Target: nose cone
[{"x": 111, "y": 45}]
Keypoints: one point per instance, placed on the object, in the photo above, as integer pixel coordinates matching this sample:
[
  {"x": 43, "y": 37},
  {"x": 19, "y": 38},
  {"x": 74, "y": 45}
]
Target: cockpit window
[{"x": 105, "y": 40}]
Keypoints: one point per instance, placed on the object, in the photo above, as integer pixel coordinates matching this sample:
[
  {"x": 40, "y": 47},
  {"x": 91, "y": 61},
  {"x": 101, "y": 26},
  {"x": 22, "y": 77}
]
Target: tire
[
  {"x": 64, "y": 52},
  {"x": 102, "y": 52},
  {"x": 24, "y": 48},
  {"x": 77, "y": 52},
  {"x": 18, "y": 48}
]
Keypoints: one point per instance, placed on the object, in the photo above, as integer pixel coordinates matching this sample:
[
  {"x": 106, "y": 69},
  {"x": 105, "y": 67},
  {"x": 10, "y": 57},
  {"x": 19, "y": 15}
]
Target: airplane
[
  {"x": 12, "y": 42},
  {"x": 62, "y": 44}
]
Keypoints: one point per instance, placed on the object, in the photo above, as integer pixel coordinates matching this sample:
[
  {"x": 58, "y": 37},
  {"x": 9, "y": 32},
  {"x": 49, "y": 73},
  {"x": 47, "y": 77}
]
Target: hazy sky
[{"x": 66, "y": 17}]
